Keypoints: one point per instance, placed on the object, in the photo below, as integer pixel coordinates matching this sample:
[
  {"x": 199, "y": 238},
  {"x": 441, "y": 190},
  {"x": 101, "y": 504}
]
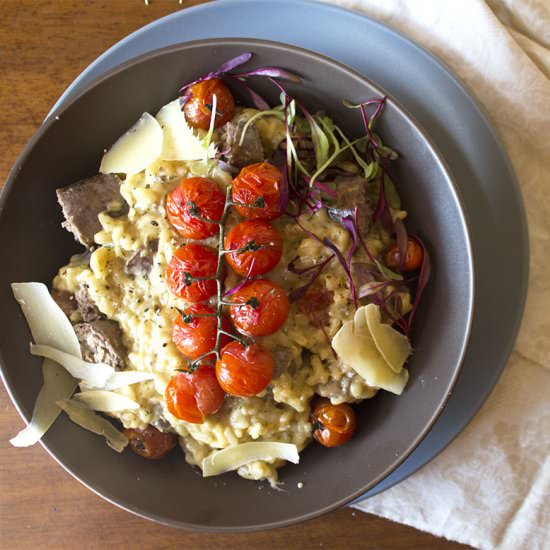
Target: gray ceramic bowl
[{"x": 69, "y": 146}]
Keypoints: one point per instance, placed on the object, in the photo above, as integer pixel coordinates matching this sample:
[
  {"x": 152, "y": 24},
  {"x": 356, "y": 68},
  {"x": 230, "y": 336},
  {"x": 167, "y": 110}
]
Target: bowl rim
[{"x": 54, "y": 115}]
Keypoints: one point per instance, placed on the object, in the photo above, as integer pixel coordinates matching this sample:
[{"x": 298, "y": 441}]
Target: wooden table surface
[{"x": 45, "y": 45}]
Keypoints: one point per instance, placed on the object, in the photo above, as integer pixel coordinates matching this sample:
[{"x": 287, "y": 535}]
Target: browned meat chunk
[
  {"x": 86, "y": 306},
  {"x": 84, "y": 200},
  {"x": 141, "y": 262},
  {"x": 249, "y": 152},
  {"x": 65, "y": 300},
  {"x": 101, "y": 342},
  {"x": 353, "y": 192}
]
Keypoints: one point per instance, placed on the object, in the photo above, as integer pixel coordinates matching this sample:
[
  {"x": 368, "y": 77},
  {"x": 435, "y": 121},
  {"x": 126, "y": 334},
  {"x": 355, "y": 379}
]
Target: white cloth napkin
[{"x": 491, "y": 487}]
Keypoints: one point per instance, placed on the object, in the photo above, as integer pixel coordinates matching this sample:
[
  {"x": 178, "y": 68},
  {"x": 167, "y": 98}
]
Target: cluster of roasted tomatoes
[{"x": 252, "y": 248}]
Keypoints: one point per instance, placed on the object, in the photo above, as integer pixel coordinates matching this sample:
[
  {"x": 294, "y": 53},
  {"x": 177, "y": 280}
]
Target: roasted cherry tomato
[
  {"x": 260, "y": 244},
  {"x": 192, "y": 260},
  {"x": 413, "y": 257},
  {"x": 192, "y": 396},
  {"x": 244, "y": 371},
  {"x": 198, "y": 108},
  {"x": 150, "y": 443},
  {"x": 191, "y": 198},
  {"x": 264, "y": 308},
  {"x": 194, "y": 331},
  {"x": 332, "y": 424},
  {"x": 259, "y": 187}
]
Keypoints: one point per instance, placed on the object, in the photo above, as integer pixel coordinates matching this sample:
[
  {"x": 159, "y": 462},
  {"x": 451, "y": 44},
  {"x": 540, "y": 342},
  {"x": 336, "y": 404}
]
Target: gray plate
[
  {"x": 453, "y": 119},
  {"x": 390, "y": 427}
]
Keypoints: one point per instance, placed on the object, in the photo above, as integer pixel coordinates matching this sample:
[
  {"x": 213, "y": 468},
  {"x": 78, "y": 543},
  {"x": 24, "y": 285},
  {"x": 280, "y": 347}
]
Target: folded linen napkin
[{"x": 491, "y": 487}]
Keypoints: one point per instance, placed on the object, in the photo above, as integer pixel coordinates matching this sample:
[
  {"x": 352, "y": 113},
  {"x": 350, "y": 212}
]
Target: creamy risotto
[{"x": 345, "y": 252}]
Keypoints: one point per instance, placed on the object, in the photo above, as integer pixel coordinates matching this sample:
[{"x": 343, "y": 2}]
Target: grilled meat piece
[
  {"x": 249, "y": 152},
  {"x": 101, "y": 342},
  {"x": 65, "y": 300},
  {"x": 84, "y": 200}
]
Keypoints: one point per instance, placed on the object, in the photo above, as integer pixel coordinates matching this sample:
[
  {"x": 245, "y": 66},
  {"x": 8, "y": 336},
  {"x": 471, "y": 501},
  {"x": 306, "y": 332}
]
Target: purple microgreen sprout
[
  {"x": 368, "y": 289},
  {"x": 225, "y": 166},
  {"x": 243, "y": 282},
  {"x": 284, "y": 190},
  {"x": 325, "y": 188},
  {"x": 271, "y": 72},
  {"x": 401, "y": 240},
  {"x": 423, "y": 278},
  {"x": 315, "y": 270},
  {"x": 360, "y": 237},
  {"x": 224, "y": 70},
  {"x": 382, "y": 211},
  {"x": 329, "y": 244}
]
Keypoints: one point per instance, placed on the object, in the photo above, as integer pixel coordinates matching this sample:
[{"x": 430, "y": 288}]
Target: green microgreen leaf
[
  {"x": 208, "y": 138},
  {"x": 392, "y": 196},
  {"x": 320, "y": 141},
  {"x": 369, "y": 168},
  {"x": 273, "y": 112},
  {"x": 388, "y": 273}
]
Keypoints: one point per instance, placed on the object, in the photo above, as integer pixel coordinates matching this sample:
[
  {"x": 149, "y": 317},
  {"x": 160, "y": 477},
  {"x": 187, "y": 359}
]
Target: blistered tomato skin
[
  {"x": 194, "y": 332},
  {"x": 195, "y": 395},
  {"x": 192, "y": 260},
  {"x": 257, "y": 190},
  {"x": 413, "y": 257},
  {"x": 262, "y": 308},
  {"x": 260, "y": 246},
  {"x": 192, "y": 202},
  {"x": 244, "y": 371},
  {"x": 198, "y": 108},
  {"x": 150, "y": 443},
  {"x": 333, "y": 425}
]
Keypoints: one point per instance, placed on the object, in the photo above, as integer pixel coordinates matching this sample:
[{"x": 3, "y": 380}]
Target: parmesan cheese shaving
[
  {"x": 106, "y": 401},
  {"x": 92, "y": 374},
  {"x": 393, "y": 346},
  {"x": 49, "y": 327},
  {"x": 355, "y": 347},
  {"x": 140, "y": 146},
  {"x": 180, "y": 142},
  {"x": 80, "y": 414},
  {"x": 126, "y": 378},
  {"x": 48, "y": 324},
  {"x": 234, "y": 457}
]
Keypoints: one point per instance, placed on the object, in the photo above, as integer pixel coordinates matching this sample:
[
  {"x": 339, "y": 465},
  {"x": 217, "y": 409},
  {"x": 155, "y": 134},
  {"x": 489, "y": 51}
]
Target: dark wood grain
[{"x": 44, "y": 46}]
